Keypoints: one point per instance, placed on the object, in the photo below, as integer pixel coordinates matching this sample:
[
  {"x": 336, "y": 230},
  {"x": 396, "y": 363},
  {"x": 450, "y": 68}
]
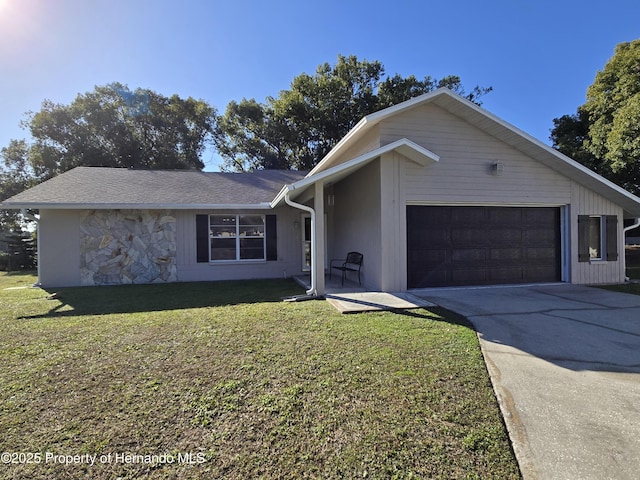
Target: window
[
  {"x": 237, "y": 237},
  {"x": 227, "y": 237},
  {"x": 597, "y": 238}
]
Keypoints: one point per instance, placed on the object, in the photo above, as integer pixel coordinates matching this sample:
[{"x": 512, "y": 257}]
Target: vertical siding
[
  {"x": 289, "y": 261},
  {"x": 59, "y": 255},
  {"x": 393, "y": 251},
  {"x": 586, "y": 202}
]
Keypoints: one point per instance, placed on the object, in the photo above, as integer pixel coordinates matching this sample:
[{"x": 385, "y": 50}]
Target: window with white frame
[
  {"x": 597, "y": 238},
  {"x": 237, "y": 237}
]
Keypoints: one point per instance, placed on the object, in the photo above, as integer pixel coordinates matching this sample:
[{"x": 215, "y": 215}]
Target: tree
[
  {"x": 604, "y": 134},
  {"x": 16, "y": 175},
  {"x": 21, "y": 251},
  {"x": 111, "y": 126},
  {"x": 299, "y": 127},
  {"x": 116, "y": 127}
]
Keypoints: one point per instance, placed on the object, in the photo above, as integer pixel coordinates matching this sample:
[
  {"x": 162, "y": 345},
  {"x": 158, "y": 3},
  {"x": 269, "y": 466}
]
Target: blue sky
[{"x": 540, "y": 56}]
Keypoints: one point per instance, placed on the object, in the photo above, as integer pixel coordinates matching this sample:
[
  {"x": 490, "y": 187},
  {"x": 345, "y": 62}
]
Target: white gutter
[
  {"x": 636, "y": 224},
  {"x": 37, "y": 220},
  {"x": 311, "y": 211}
]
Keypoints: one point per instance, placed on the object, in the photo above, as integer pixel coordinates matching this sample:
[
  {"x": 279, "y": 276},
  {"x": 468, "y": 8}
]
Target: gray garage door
[{"x": 450, "y": 246}]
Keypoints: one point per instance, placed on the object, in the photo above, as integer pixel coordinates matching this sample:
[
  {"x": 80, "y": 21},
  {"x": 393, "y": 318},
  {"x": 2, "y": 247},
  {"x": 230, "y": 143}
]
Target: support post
[{"x": 318, "y": 238}]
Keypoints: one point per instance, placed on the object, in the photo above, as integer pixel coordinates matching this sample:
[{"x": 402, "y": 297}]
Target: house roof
[
  {"x": 107, "y": 188},
  {"x": 404, "y": 146},
  {"x": 500, "y": 129}
]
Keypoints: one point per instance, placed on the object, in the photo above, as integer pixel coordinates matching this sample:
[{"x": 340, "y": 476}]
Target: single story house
[{"x": 435, "y": 191}]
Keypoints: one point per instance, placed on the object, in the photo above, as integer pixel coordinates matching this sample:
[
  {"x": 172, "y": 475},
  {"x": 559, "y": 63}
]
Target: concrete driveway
[{"x": 565, "y": 364}]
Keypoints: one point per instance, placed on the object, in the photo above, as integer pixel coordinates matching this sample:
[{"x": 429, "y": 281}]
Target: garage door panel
[
  {"x": 539, "y": 273},
  {"x": 463, "y": 236},
  {"x": 506, "y": 274},
  {"x": 482, "y": 245},
  {"x": 469, "y": 255},
  {"x": 541, "y": 254},
  {"x": 540, "y": 216},
  {"x": 433, "y": 276},
  {"x": 505, "y": 235},
  {"x": 505, "y": 254},
  {"x": 464, "y": 215},
  {"x": 504, "y": 216},
  {"x": 461, "y": 277},
  {"x": 435, "y": 237},
  {"x": 432, "y": 256},
  {"x": 539, "y": 236}
]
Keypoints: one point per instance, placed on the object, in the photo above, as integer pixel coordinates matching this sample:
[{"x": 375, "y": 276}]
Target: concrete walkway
[
  {"x": 375, "y": 301},
  {"x": 353, "y": 298},
  {"x": 565, "y": 364}
]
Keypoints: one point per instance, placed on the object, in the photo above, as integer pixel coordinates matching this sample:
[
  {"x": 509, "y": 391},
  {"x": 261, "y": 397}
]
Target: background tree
[
  {"x": 604, "y": 134},
  {"x": 20, "y": 251},
  {"x": 116, "y": 127},
  {"x": 301, "y": 125},
  {"x": 111, "y": 126},
  {"x": 16, "y": 175}
]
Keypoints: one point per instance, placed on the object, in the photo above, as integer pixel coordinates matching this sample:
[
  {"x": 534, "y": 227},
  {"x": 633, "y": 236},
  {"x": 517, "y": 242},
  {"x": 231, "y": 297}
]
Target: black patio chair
[{"x": 353, "y": 263}]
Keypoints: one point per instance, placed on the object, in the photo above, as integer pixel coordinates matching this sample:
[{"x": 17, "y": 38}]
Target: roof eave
[
  {"x": 135, "y": 206},
  {"x": 360, "y": 126},
  {"x": 373, "y": 119},
  {"x": 404, "y": 146}
]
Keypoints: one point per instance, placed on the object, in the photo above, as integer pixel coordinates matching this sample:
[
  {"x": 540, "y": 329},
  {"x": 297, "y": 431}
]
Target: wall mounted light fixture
[{"x": 497, "y": 169}]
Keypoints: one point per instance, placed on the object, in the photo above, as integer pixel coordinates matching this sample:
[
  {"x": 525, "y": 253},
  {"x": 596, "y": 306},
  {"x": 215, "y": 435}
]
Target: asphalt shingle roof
[{"x": 94, "y": 187}]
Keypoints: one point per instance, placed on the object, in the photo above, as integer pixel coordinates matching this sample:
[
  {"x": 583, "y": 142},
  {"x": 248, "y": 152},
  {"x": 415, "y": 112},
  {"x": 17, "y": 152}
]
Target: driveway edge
[{"x": 510, "y": 416}]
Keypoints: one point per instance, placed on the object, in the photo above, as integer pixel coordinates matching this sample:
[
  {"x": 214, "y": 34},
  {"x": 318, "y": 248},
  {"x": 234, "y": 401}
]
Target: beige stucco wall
[
  {"x": 59, "y": 254},
  {"x": 61, "y": 251},
  {"x": 289, "y": 261}
]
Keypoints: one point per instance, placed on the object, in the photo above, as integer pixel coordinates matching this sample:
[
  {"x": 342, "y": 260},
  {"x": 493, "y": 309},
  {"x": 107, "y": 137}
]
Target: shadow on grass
[
  {"x": 438, "y": 314},
  {"x": 17, "y": 273},
  {"x": 159, "y": 297}
]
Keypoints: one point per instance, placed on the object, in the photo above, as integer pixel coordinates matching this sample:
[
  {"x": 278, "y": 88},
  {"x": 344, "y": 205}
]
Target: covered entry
[{"x": 470, "y": 245}]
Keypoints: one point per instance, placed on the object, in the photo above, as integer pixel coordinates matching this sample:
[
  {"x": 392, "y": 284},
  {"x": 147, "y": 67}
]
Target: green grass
[
  {"x": 624, "y": 288},
  {"x": 633, "y": 272},
  {"x": 257, "y": 387}
]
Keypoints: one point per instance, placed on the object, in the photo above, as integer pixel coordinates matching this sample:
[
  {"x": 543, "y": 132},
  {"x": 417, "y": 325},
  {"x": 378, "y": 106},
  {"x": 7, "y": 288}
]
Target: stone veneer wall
[{"x": 127, "y": 246}]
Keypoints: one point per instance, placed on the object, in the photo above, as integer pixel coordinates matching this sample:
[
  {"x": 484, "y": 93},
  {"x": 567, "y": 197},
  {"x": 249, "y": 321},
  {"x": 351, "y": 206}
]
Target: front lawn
[{"x": 222, "y": 380}]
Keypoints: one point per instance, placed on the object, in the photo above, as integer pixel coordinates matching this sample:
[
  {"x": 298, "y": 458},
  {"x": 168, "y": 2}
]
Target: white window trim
[{"x": 237, "y": 238}]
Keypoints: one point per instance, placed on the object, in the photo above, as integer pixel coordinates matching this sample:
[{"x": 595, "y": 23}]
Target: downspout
[
  {"x": 636, "y": 224},
  {"x": 37, "y": 221},
  {"x": 311, "y": 211}
]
